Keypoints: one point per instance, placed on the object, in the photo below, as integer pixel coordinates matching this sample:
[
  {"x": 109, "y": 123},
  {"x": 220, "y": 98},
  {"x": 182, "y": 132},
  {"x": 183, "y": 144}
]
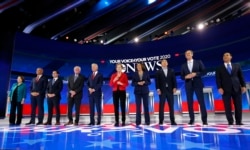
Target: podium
[
  {"x": 209, "y": 98},
  {"x": 248, "y": 93},
  {"x": 177, "y": 98}
]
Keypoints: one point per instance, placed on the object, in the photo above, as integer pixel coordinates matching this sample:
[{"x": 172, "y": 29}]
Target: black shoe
[
  {"x": 191, "y": 122},
  {"x": 68, "y": 123},
  {"x": 91, "y": 124},
  {"x": 76, "y": 124},
  {"x": 123, "y": 124},
  {"x": 230, "y": 123},
  {"x": 116, "y": 124},
  {"x": 239, "y": 123},
  {"x": 147, "y": 124},
  {"x": 98, "y": 123},
  {"x": 39, "y": 123},
  {"x": 160, "y": 123},
  {"x": 12, "y": 124},
  {"x": 205, "y": 123},
  {"x": 47, "y": 123},
  {"x": 30, "y": 123},
  {"x": 173, "y": 123},
  {"x": 57, "y": 123}
]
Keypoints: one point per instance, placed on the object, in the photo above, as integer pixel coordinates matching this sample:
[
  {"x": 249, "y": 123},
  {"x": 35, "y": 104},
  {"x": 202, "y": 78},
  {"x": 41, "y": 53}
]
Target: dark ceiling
[{"x": 115, "y": 21}]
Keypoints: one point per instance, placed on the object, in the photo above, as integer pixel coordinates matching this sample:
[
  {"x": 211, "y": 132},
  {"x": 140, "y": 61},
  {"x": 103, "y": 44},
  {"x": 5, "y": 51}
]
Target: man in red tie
[
  {"x": 38, "y": 88},
  {"x": 94, "y": 83}
]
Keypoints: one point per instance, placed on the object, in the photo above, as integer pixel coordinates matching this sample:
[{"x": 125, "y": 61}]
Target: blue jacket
[{"x": 21, "y": 93}]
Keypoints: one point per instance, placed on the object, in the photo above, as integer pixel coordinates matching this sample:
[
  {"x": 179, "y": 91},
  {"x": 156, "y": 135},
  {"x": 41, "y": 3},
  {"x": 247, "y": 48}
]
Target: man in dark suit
[
  {"x": 75, "y": 88},
  {"x": 94, "y": 83},
  {"x": 231, "y": 84},
  {"x": 165, "y": 82},
  {"x": 54, "y": 89},
  {"x": 38, "y": 88},
  {"x": 191, "y": 72}
]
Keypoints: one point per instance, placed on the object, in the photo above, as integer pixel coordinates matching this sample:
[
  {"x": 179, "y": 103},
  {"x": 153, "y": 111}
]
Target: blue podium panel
[{"x": 209, "y": 98}]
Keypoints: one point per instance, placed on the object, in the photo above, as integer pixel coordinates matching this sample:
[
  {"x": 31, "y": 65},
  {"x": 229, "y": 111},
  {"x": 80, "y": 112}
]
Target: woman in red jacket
[{"x": 119, "y": 83}]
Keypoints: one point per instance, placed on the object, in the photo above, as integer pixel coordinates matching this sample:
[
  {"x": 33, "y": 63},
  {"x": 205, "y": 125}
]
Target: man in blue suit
[
  {"x": 38, "y": 88},
  {"x": 231, "y": 84},
  {"x": 191, "y": 72},
  {"x": 94, "y": 83},
  {"x": 165, "y": 82}
]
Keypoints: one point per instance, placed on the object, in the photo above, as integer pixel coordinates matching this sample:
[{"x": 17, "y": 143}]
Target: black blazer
[
  {"x": 227, "y": 81},
  {"x": 165, "y": 83},
  {"x": 199, "y": 69},
  {"x": 96, "y": 83},
  {"x": 76, "y": 86},
  {"x": 39, "y": 86},
  {"x": 141, "y": 89},
  {"x": 55, "y": 88}
]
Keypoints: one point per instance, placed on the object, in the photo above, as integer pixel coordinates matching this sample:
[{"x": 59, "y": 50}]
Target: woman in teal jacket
[{"x": 16, "y": 97}]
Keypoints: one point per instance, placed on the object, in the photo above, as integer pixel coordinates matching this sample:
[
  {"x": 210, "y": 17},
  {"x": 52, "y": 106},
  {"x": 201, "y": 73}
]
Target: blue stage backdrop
[{"x": 208, "y": 45}]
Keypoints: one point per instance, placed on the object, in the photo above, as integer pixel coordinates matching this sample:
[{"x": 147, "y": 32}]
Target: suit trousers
[{"x": 119, "y": 98}]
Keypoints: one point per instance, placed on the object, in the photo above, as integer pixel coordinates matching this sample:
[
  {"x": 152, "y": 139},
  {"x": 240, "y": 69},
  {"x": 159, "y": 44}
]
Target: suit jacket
[
  {"x": 199, "y": 69},
  {"x": 227, "y": 81},
  {"x": 123, "y": 79},
  {"x": 165, "y": 83},
  {"x": 39, "y": 86},
  {"x": 76, "y": 86},
  {"x": 141, "y": 89},
  {"x": 55, "y": 88},
  {"x": 96, "y": 83},
  {"x": 21, "y": 91}
]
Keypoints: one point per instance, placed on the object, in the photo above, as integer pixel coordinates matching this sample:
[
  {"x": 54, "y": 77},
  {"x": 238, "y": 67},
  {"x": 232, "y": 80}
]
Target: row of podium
[{"x": 180, "y": 106}]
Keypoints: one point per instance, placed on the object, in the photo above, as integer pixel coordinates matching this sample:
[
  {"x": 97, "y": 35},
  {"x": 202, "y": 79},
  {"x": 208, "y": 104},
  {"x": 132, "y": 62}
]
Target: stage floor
[{"x": 216, "y": 136}]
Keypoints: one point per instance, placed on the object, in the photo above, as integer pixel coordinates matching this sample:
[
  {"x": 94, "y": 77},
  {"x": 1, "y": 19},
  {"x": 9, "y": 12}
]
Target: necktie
[
  {"x": 37, "y": 78},
  {"x": 53, "y": 81},
  {"x": 93, "y": 75},
  {"x": 229, "y": 69},
  {"x": 75, "y": 77},
  {"x": 190, "y": 67}
]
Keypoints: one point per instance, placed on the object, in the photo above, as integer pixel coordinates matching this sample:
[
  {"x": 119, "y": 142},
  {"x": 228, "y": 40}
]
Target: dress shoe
[
  {"x": 47, "y": 123},
  {"x": 91, "y": 124},
  {"x": 147, "y": 124},
  {"x": 39, "y": 123},
  {"x": 30, "y": 123},
  {"x": 230, "y": 123},
  {"x": 12, "y": 124},
  {"x": 76, "y": 124},
  {"x": 191, "y": 122},
  {"x": 160, "y": 123},
  {"x": 98, "y": 123},
  {"x": 123, "y": 124},
  {"x": 173, "y": 123},
  {"x": 57, "y": 123},
  {"x": 68, "y": 123},
  {"x": 205, "y": 123},
  {"x": 239, "y": 123},
  {"x": 116, "y": 124}
]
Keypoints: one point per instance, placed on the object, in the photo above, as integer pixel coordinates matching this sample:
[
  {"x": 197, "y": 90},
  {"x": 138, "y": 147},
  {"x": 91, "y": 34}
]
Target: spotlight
[
  {"x": 200, "y": 26},
  {"x": 136, "y": 40}
]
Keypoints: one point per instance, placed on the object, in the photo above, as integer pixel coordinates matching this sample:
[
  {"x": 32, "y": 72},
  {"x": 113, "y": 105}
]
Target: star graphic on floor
[
  {"x": 105, "y": 143},
  {"x": 32, "y": 142},
  {"x": 189, "y": 145}
]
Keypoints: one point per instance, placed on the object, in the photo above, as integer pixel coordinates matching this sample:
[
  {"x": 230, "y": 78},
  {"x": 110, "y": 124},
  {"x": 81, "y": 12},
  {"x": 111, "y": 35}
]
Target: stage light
[
  {"x": 176, "y": 54},
  {"x": 102, "y": 61},
  {"x": 218, "y": 20},
  {"x": 165, "y": 32},
  {"x": 66, "y": 37},
  {"x": 200, "y": 26},
  {"x": 75, "y": 40},
  {"x": 136, "y": 40},
  {"x": 101, "y": 41}
]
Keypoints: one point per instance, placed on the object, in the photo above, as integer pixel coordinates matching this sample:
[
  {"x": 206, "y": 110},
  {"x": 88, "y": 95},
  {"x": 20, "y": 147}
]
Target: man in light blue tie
[{"x": 231, "y": 84}]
